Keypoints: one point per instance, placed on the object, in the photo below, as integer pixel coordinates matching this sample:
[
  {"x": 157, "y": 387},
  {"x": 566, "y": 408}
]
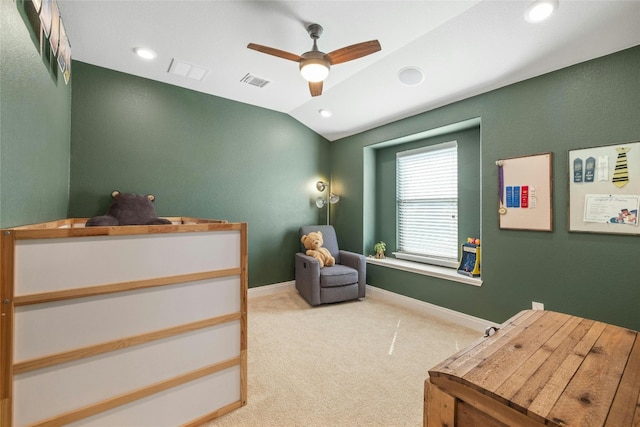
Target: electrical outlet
[{"x": 537, "y": 305}]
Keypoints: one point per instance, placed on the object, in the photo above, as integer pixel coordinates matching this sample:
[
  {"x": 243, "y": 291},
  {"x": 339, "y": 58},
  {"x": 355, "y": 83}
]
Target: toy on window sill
[
  {"x": 128, "y": 209},
  {"x": 470, "y": 259}
]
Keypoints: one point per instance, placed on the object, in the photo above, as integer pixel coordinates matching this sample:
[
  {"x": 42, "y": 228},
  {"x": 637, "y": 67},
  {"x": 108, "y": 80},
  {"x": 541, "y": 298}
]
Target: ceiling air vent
[{"x": 253, "y": 80}]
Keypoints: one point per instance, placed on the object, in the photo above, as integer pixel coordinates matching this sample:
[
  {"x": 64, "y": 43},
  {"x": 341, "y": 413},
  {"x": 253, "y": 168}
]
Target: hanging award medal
[{"x": 502, "y": 210}]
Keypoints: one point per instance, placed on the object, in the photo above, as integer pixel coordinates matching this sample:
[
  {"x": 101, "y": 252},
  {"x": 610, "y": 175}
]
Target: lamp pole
[{"x": 328, "y": 205}]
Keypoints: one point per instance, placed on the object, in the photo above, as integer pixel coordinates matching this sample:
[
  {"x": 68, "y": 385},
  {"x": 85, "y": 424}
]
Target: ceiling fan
[{"x": 315, "y": 65}]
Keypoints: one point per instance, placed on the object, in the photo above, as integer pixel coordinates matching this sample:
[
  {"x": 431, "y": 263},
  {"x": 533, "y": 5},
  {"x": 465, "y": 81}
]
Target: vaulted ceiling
[{"x": 463, "y": 48}]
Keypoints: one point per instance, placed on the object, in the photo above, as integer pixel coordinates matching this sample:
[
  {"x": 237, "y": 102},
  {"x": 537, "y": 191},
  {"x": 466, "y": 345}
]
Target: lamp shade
[{"x": 314, "y": 69}]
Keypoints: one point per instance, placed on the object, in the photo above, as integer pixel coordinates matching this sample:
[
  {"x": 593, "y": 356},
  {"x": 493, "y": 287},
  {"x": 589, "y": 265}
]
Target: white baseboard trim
[
  {"x": 443, "y": 313},
  {"x": 462, "y": 319},
  {"x": 275, "y": 288}
]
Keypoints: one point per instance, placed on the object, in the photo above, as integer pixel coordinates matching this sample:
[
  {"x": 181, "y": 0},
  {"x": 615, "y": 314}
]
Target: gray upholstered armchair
[{"x": 341, "y": 282}]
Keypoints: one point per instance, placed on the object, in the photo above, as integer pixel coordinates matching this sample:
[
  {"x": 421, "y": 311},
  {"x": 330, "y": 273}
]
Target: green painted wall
[
  {"x": 589, "y": 275},
  {"x": 201, "y": 156},
  {"x": 35, "y": 123}
]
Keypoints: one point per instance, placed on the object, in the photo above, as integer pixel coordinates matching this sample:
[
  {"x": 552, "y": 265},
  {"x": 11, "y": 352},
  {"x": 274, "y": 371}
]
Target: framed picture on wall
[
  {"x": 54, "y": 37},
  {"x": 64, "y": 55},
  {"x": 524, "y": 189},
  {"x": 604, "y": 189},
  {"x": 45, "y": 16}
]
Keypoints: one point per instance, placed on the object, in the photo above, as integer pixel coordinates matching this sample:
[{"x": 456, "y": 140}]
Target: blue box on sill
[{"x": 470, "y": 260}]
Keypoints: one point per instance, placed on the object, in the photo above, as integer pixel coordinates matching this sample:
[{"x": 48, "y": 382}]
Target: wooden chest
[{"x": 540, "y": 368}]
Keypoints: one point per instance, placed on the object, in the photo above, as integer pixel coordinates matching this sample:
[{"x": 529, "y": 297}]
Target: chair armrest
[
  {"x": 308, "y": 277},
  {"x": 353, "y": 260},
  {"x": 359, "y": 262},
  {"x": 312, "y": 264}
]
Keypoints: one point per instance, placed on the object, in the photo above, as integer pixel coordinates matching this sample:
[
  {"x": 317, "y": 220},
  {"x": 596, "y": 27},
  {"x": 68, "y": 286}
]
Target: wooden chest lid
[{"x": 555, "y": 368}]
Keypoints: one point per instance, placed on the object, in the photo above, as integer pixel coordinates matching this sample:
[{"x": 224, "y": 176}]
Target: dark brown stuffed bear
[{"x": 128, "y": 209}]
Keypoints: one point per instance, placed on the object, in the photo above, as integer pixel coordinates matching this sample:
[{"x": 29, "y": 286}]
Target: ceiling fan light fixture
[
  {"x": 540, "y": 10},
  {"x": 314, "y": 64},
  {"x": 314, "y": 69}
]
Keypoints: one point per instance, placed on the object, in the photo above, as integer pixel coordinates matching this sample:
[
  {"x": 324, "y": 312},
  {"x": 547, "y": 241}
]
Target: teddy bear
[
  {"x": 128, "y": 209},
  {"x": 313, "y": 243}
]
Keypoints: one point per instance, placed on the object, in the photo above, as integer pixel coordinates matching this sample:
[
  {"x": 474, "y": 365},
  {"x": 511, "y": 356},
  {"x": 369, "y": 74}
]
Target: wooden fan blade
[
  {"x": 354, "y": 51},
  {"x": 275, "y": 52},
  {"x": 315, "y": 88}
]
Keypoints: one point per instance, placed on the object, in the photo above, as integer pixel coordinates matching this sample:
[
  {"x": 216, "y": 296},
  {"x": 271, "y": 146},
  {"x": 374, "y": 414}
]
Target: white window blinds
[{"x": 427, "y": 198}]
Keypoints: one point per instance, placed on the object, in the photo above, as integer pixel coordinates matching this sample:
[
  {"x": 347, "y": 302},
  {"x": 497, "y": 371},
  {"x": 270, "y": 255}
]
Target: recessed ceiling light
[
  {"x": 411, "y": 76},
  {"x": 325, "y": 113},
  {"x": 540, "y": 10},
  {"x": 144, "y": 53}
]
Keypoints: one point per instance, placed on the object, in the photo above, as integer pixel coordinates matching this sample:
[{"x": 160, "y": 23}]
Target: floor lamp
[{"x": 321, "y": 202}]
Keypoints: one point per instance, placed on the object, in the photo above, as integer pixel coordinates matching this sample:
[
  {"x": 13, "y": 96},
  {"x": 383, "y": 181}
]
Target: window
[{"x": 427, "y": 204}]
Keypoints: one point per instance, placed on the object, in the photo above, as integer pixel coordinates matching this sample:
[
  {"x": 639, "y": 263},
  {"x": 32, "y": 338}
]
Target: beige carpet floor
[{"x": 359, "y": 363}]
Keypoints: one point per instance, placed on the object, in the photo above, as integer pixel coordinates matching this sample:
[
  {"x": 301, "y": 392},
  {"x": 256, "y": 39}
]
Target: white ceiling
[{"x": 463, "y": 47}]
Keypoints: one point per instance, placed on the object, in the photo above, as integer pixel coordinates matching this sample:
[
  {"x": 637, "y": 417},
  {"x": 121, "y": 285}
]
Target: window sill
[{"x": 425, "y": 269}]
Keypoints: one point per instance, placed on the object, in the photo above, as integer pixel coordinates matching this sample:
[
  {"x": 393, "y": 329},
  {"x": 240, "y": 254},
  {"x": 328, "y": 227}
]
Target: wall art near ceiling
[
  {"x": 45, "y": 16},
  {"x": 64, "y": 54},
  {"x": 604, "y": 189},
  {"x": 525, "y": 192},
  {"x": 54, "y": 38}
]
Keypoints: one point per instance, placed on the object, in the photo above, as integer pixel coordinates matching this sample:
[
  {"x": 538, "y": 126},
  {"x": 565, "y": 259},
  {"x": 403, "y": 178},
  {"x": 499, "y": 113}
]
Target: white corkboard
[
  {"x": 525, "y": 192},
  {"x": 596, "y": 204}
]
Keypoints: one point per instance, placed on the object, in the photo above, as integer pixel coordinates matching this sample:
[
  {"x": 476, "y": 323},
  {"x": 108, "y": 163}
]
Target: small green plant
[{"x": 380, "y": 247}]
